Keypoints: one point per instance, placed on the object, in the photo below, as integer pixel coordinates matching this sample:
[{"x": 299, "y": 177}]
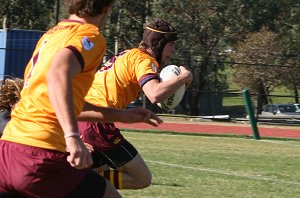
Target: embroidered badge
[
  {"x": 154, "y": 68},
  {"x": 87, "y": 44}
]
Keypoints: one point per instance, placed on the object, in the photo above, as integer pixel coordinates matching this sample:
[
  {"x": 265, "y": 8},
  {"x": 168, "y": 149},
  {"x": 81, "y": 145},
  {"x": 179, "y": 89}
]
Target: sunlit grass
[{"x": 203, "y": 166}]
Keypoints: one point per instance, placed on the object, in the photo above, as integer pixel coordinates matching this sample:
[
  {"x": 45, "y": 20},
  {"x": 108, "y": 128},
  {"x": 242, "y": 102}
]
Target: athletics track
[{"x": 217, "y": 128}]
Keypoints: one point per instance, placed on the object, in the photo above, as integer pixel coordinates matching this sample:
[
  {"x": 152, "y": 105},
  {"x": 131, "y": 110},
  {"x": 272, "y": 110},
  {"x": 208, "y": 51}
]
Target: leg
[
  {"x": 110, "y": 191},
  {"x": 131, "y": 172},
  {"x": 136, "y": 174},
  {"x": 112, "y": 149},
  {"x": 94, "y": 186}
]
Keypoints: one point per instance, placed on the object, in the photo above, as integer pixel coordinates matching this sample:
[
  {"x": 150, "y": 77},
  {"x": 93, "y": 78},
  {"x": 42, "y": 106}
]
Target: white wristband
[{"x": 71, "y": 134}]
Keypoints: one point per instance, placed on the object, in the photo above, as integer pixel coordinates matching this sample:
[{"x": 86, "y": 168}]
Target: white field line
[
  {"x": 289, "y": 143},
  {"x": 255, "y": 177},
  {"x": 281, "y": 142}
]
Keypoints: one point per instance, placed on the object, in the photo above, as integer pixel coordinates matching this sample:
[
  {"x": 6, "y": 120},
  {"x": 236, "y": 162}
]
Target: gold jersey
[
  {"x": 119, "y": 81},
  {"x": 33, "y": 120}
]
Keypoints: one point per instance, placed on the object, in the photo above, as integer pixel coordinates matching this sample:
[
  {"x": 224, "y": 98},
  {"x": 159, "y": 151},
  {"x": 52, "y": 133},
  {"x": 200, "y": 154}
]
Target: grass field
[{"x": 185, "y": 166}]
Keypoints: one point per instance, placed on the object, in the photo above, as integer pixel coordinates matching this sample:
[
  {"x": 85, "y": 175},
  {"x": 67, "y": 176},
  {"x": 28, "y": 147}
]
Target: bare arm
[
  {"x": 158, "y": 91},
  {"x": 93, "y": 113},
  {"x": 59, "y": 79}
]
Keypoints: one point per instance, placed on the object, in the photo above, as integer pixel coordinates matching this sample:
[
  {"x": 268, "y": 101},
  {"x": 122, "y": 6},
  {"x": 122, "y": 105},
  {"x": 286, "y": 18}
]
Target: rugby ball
[{"x": 174, "y": 99}]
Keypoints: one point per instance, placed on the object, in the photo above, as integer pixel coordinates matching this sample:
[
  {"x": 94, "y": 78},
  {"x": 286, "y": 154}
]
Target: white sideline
[
  {"x": 290, "y": 143},
  {"x": 256, "y": 177}
]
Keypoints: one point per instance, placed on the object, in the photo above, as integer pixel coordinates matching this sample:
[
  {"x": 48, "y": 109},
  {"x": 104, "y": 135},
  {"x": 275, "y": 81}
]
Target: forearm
[
  {"x": 159, "y": 91},
  {"x": 59, "y": 80},
  {"x": 102, "y": 114},
  {"x": 61, "y": 99},
  {"x": 92, "y": 113}
]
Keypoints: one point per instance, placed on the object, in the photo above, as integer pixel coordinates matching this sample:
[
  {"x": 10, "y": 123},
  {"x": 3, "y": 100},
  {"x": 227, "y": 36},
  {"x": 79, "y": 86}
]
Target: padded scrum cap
[{"x": 157, "y": 34}]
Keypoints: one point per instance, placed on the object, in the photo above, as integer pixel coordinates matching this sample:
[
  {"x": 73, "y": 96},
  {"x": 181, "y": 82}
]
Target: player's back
[
  {"x": 34, "y": 121},
  {"x": 119, "y": 81}
]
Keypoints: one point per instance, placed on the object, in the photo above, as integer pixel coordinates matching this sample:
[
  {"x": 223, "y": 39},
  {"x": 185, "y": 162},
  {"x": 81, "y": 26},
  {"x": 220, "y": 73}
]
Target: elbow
[{"x": 155, "y": 99}]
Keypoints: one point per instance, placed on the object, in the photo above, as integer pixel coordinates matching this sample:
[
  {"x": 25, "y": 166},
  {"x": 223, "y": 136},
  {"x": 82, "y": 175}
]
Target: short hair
[
  {"x": 87, "y": 8},
  {"x": 10, "y": 90}
]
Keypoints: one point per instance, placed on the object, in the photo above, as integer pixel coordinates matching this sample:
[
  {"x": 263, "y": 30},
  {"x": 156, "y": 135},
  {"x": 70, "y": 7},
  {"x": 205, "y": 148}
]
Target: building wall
[{"x": 16, "y": 48}]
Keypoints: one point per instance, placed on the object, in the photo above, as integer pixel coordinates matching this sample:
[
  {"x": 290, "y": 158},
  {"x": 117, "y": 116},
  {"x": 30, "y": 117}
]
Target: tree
[
  {"x": 27, "y": 14},
  {"x": 205, "y": 33},
  {"x": 259, "y": 56},
  {"x": 125, "y": 28},
  {"x": 288, "y": 26},
  {"x": 209, "y": 27}
]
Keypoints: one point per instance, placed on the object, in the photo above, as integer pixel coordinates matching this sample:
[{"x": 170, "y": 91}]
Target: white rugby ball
[{"x": 174, "y": 99}]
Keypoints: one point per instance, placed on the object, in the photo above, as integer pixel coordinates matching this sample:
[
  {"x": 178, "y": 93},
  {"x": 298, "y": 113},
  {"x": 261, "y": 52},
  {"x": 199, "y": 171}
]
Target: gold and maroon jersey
[
  {"x": 119, "y": 81},
  {"x": 33, "y": 120}
]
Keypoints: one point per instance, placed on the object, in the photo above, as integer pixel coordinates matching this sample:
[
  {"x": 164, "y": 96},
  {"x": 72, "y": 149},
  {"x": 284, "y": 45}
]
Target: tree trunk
[{"x": 262, "y": 98}]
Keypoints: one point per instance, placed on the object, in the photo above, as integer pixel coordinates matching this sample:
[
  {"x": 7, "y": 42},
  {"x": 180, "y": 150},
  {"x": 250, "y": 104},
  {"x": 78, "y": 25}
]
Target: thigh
[
  {"x": 136, "y": 167},
  {"x": 36, "y": 172},
  {"x": 116, "y": 157},
  {"x": 92, "y": 186}
]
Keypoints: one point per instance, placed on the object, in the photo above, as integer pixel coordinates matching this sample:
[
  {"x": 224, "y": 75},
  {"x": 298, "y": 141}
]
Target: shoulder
[{"x": 141, "y": 55}]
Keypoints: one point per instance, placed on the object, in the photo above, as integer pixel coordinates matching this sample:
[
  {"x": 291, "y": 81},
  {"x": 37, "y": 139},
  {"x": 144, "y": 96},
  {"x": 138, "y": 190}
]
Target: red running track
[{"x": 281, "y": 132}]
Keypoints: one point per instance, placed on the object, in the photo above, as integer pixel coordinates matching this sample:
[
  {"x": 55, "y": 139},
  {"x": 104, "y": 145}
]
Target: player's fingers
[
  {"x": 152, "y": 123},
  {"x": 156, "y": 118},
  {"x": 147, "y": 116},
  {"x": 84, "y": 161},
  {"x": 71, "y": 159},
  {"x": 79, "y": 162},
  {"x": 89, "y": 147}
]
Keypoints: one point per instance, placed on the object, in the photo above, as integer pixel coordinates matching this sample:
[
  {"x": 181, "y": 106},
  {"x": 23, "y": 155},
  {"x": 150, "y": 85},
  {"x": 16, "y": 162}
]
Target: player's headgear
[{"x": 157, "y": 34}]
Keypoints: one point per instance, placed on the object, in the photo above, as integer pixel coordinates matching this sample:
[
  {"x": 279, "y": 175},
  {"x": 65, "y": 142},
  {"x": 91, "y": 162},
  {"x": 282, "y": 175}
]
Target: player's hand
[
  {"x": 89, "y": 147},
  {"x": 140, "y": 114},
  {"x": 186, "y": 75},
  {"x": 79, "y": 157}
]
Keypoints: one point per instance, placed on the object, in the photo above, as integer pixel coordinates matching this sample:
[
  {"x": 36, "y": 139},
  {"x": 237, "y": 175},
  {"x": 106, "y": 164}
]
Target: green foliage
[
  {"x": 260, "y": 49},
  {"x": 27, "y": 14},
  {"x": 125, "y": 28},
  {"x": 207, "y": 30}
]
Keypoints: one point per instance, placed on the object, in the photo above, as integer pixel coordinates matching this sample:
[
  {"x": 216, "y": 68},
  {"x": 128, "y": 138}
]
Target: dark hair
[
  {"x": 87, "y": 8},
  {"x": 157, "y": 33},
  {"x": 10, "y": 89}
]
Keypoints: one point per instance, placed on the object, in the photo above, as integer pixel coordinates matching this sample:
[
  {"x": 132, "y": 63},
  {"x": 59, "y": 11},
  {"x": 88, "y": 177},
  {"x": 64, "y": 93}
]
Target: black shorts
[
  {"x": 116, "y": 157},
  {"x": 92, "y": 186}
]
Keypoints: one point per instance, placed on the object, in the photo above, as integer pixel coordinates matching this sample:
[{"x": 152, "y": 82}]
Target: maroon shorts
[
  {"x": 36, "y": 172},
  {"x": 102, "y": 136}
]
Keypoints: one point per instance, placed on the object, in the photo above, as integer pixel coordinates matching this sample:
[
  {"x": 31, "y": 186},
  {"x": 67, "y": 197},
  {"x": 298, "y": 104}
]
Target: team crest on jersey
[
  {"x": 153, "y": 67},
  {"x": 87, "y": 44}
]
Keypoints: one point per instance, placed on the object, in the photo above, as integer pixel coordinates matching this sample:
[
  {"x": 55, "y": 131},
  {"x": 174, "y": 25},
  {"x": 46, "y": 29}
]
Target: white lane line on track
[{"x": 256, "y": 177}]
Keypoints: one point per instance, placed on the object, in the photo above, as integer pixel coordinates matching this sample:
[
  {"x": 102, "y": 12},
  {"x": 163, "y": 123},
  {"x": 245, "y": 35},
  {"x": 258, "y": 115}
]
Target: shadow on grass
[{"x": 166, "y": 184}]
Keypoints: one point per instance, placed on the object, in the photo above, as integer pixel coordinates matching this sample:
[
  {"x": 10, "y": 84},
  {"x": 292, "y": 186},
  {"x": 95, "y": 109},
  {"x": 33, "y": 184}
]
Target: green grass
[
  {"x": 187, "y": 166},
  {"x": 279, "y": 95}
]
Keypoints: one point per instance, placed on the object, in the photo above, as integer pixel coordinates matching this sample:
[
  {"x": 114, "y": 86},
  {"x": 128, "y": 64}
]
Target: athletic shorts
[
  {"x": 116, "y": 157},
  {"x": 92, "y": 186},
  {"x": 10, "y": 195},
  {"x": 102, "y": 136},
  {"x": 36, "y": 172}
]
